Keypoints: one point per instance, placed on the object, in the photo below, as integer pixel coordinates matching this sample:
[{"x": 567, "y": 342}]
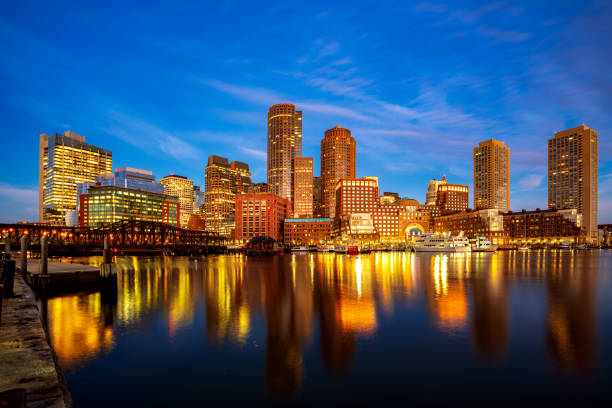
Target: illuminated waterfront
[{"x": 336, "y": 329}]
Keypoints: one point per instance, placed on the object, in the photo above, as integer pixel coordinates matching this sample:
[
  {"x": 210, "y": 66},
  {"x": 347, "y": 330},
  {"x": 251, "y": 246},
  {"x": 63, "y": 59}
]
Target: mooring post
[
  {"x": 43, "y": 255},
  {"x": 7, "y": 248},
  {"x": 23, "y": 260},
  {"x": 107, "y": 252}
]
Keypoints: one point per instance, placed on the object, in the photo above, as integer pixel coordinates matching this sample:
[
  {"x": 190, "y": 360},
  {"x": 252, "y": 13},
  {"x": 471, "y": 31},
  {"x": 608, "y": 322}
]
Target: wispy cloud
[
  {"x": 255, "y": 153},
  {"x": 25, "y": 195},
  {"x": 531, "y": 181}
]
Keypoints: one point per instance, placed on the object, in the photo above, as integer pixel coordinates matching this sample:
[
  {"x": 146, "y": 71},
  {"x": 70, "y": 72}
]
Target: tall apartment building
[
  {"x": 65, "y": 161},
  {"x": 223, "y": 180},
  {"x": 573, "y": 175},
  {"x": 284, "y": 144},
  {"x": 260, "y": 215},
  {"x": 492, "y": 175},
  {"x": 302, "y": 192},
  {"x": 182, "y": 188},
  {"x": 338, "y": 161},
  {"x": 317, "y": 210}
]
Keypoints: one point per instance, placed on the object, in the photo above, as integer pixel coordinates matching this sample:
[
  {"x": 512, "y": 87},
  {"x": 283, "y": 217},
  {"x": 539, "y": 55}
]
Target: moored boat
[
  {"x": 300, "y": 249},
  {"x": 340, "y": 249},
  {"x": 523, "y": 248},
  {"x": 481, "y": 244},
  {"x": 437, "y": 242}
]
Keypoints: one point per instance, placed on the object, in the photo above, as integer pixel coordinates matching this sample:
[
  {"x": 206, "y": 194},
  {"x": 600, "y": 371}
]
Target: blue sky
[{"x": 165, "y": 84}]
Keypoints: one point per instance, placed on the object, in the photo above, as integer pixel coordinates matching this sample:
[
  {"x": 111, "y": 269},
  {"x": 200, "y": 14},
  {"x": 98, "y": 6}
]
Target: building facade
[
  {"x": 307, "y": 231},
  {"x": 356, "y": 195},
  {"x": 451, "y": 198},
  {"x": 284, "y": 144},
  {"x": 128, "y": 177},
  {"x": 260, "y": 215},
  {"x": 182, "y": 188},
  {"x": 65, "y": 161},
  {"x": 487, "y": 223},
  {"x": 338, "y": 161},
  {"x": 544, "y": 226},
  {"x": 302, "y": 184},
  {"x": 432, "y": 190},
  {"x": 573, "y": 175},
  {"x": 492, "y": 175},
  {"x": 223, "y": 181},
  {"x": 317, "y": 209},
  {"x": 104, "y": 205},
  {"x": 258, "y": 188}
]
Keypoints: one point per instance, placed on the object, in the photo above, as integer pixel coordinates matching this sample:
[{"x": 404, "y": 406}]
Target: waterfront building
[
  {"x": 196, "y": 223},
  {"x": 488, "y": 223},
  {"x": 451, "y": 198},
  {"x": 128, "y": 177},
  {"x": 284, "y": 144},
  {"x": 65, "y": 161},
  {"x": 492, "y": 175},
  {"x": 302, "y": 188},
  {"x": 258, "y": 188},
  {"x": 338, "y": 161},
  {"x": 416, "y": 219},
  {"x": 573, "y": 175},
  {"x": 605, "y": 234},
  {"x": 389, "y": 198},
  {"x": 317, "y": 204},
  {"x": 260, "y": 215},
  {"x": 307, "y": 231},
  {"x": 356, "y": 195},
  {"x": 104, "y": 205},
  {"x": 223, "y": 181},
  {"x": 182, "y": 188},
  {"x": 432, "y": 190},
  {"x": 544, "y": 226}
]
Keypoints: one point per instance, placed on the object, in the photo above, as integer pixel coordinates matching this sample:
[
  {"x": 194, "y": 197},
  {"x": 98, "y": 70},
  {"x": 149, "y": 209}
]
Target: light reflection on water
[{"x": 282, "y": 307}]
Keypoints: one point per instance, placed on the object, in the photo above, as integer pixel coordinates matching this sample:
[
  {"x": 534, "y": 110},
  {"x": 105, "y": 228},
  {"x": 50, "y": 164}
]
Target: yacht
[
  {"x": 564, "y": 245},
  {"x": 437, "y": 242},
  {"x": 481, "y": 244},
  {"x": 523, "y": 247},
  {"x": 325, "y": 248},
  {"x": 340, "y": 249},
  {"x": 300, "y": 249}
]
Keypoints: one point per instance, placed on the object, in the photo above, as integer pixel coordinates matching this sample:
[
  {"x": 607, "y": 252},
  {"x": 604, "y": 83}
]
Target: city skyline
[{"x": 331, "y": 81}]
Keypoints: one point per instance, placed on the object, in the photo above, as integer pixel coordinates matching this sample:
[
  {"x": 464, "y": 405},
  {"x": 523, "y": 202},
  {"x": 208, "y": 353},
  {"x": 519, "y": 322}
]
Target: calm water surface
[{"x": 330, "y": 329}]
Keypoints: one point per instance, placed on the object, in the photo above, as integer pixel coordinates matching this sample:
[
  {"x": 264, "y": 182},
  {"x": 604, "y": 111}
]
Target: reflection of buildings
[
  {"x": 572, "y": 295},
  {"x": 78, "y": 328},
  {"x": 491, "y": 316}
]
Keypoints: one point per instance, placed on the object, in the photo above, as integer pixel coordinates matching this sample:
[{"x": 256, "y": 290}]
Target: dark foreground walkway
[{"x": 26, "y": 359}]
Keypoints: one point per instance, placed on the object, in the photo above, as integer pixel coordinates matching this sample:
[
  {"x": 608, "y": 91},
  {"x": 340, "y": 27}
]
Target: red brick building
[
  {"x": 452, "y": 198},
  {"x": 307, "y": 231},
  {"x": 486, "y": 223},
  {"x": 544, "y": 226},
  {"x": 260, "y": 214}
]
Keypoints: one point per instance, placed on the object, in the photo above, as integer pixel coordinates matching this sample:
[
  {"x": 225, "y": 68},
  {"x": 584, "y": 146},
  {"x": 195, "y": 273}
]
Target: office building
[
  {"x": 451, "y": 198},
  {"x": 492, "y": 175},
  {"x": 65, "y": 161},
  {"x": 135, "y": 179},
  {"x": 317, "y": 210},
  {"x": 544, "y": 226},
  {"x": 260, "y": 215},
  {"x": 307, "y": 231},
  {"x": 223, "y": 180},
  {"x": 258, "y": 188},
  {"x": 573, "y": 175},
  {"x": 104, "y": 205},
  {"x": 284, "y": 144},
  {"x": 302, "y": 188},
  {"x": 182, "y": 188},
  {"x": 338, "y": 161}
]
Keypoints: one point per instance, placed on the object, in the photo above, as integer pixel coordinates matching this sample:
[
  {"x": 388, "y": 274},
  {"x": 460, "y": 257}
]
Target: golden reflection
[
  {"x": 446, "y": 296},
  {"x": 77, "y": 328}
]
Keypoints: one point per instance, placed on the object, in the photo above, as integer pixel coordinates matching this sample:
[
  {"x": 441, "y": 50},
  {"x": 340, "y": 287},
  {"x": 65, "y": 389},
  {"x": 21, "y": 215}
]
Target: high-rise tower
[
  {"x": 284, "y": 144},
  {"x": 65, "y": 161},
  {"x": 338, "y": 161},
  {"x": 182, "y": 188},
  {"x": 572, "y": 174},
  {"x": 492, "y": 175}
]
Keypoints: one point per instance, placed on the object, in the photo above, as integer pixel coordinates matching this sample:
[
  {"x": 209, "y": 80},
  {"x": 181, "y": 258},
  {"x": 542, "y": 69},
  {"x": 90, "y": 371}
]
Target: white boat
[
  {"x": 481, "y": 244},
  {"x": 523, "y": 248},
  {"x": 325, "y": 248},
  {"x": 564, "y": 245},
  {"x": 300, "y": 249},
  {"x": 436, "y": 242},
  {"x": 340, "y": 249}
]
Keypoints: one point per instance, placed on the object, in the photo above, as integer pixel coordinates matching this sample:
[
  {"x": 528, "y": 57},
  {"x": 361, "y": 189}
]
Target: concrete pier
[
  {"x": 26, "y": 359},
  {"x": 61, "y": 275}
]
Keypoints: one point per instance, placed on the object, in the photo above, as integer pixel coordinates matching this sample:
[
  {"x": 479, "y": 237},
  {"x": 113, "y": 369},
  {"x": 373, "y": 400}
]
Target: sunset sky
[{"x": 165, "y": 84}]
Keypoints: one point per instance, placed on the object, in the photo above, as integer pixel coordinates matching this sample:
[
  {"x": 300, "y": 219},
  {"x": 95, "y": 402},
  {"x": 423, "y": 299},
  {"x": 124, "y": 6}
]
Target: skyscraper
[
  {"x": 572, "y": 174},
  {"x": 338, "y": 161},
  {"x": 182, "y": 188},
  {"x": 492, "y": 175},
  {"x": 284, "y": 144},
  {"x": 223, "y": 181},
  {"x": 65, "y": 161},
  {"x": 302, "y": 182}
]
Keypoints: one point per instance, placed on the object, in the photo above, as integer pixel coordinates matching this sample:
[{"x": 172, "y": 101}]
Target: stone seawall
[{"x": 26, "y": 359}]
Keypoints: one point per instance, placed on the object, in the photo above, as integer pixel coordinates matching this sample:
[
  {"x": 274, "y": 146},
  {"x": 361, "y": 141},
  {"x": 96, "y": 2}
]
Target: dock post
[
  {"x": 23, "y": 259},
  {"x": 43, "y": 255},
  {"x": 7, "y": 247},
  {"x": 107, "y": 252}
]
